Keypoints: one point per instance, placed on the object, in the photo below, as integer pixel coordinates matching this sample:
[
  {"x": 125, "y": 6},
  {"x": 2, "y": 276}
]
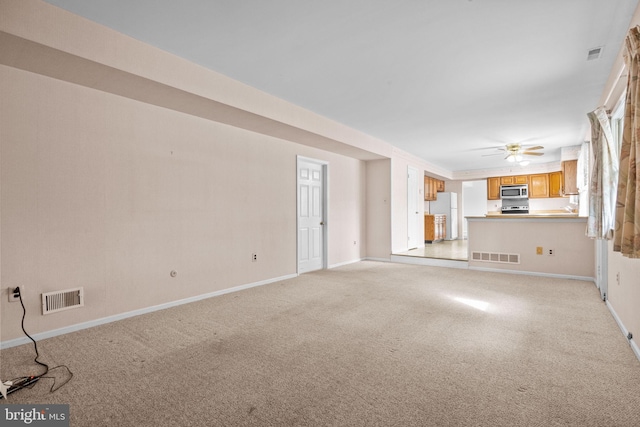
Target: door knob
[{"x": 321, "y": 222}]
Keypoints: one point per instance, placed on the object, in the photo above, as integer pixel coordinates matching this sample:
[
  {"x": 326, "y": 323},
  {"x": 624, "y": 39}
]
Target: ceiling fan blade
[
  {"x": 494, "y": 154},
  {"x": 537, "y": 147},
  {"x": 526, "y": 153}
]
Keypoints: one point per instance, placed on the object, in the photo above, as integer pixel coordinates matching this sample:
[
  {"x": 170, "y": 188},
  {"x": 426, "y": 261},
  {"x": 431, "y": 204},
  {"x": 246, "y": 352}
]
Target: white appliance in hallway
[{"x": 447, "y": 204}]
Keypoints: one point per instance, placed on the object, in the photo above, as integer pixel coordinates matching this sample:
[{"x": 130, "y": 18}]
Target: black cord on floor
[
  {"x": 35, "y": 345},
  {"x": 46, "y": 367}
]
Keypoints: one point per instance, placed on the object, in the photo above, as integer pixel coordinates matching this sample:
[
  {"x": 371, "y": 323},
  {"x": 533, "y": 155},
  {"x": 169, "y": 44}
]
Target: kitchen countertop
[{"x": 531, "y": 215}]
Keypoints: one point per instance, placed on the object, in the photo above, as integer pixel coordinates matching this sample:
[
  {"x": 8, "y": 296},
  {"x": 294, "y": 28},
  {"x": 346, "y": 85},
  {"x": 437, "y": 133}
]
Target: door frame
[
  {"x": 412, "y": 202},
  {"x": 325, "y": 208},
  {"x": 602, "y": 267}
]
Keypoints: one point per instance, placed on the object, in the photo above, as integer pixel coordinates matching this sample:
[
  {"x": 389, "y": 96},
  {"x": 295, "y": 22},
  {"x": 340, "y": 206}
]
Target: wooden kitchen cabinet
[
  {"x": 494, "y": 183},
  {"x": 555, "y": 184},
  {"x": 493, "y": 188},
  {"x": 539, "y": 185},
  {"x": 517, "y": 179},
  {"x": 431, "y": 188},
  {"x": 435, "y": 227},
  {"x": 569, "y": 177}
]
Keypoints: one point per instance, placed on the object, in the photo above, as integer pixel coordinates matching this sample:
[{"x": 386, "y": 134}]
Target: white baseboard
[
  {"x": 635, "y": 348},
  {"x": 434, "y": 262},
  {"x": 535, "y": 273},
  {"x": 340, "y": 264},
  {"x": 625, "y": 331},
  {"x": 377, "y": 259},
  {"x": 85, "y": 325}
]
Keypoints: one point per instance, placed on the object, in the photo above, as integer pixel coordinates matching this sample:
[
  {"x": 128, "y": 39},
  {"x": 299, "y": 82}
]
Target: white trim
[
  {"x": 412, "y": 230},
  {"x": 635, "y": 348},
  {"x": 436, "y": 262},
  {"x": 625, "y": 332},
  {"x": 618, "y": 82},
  {"x": 602, "y": 267},
  {"x": 85, "y": 325},
  {"x": 377, "y": 259},
  {"x": 340, "y": 264},
  {"x": 534, "y": 273},
  {"x": 433, "y": 262}
]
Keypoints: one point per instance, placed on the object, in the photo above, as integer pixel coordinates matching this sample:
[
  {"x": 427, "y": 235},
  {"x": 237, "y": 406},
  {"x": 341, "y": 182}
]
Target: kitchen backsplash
[{"x": 546, "y": 204}]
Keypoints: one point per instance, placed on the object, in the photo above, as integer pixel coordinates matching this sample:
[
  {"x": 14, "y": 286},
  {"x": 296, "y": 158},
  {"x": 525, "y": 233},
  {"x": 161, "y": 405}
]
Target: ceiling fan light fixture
[{"x": 515, "y": 153}]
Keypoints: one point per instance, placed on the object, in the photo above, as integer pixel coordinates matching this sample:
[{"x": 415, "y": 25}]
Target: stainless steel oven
[{"x": 521, "y": 208}]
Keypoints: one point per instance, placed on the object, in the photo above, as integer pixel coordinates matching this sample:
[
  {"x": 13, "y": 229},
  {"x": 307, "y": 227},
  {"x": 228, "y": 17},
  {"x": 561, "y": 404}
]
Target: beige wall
[
  {"x": 623, "y": 275},
  {"x": 399, "y": 227},
  {"x": 348, "y": 209},
  {"x": 400, "y": 162},
  {"x": 574, "y": 253},
  {"x": 112, "y": 194},
  {"x": 121, "y": 163},
  {"x": 379, "y": 209}
]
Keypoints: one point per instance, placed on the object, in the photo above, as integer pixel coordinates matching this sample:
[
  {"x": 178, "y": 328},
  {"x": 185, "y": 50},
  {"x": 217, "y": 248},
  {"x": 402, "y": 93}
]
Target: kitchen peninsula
[{"x": 552, "y": 243}]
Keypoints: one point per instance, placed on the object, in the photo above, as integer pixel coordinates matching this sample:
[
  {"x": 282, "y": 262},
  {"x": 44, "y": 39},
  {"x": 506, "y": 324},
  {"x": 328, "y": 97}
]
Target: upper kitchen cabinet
[
  {"x": 570, "y": 177},
  {"x": 555, "y": 184},
  {"x": 493, "y": 188},
  {"x": 512, "y": 180},
  {"x": 431, "y": 188},
  {"x": 539, "y": 185}
]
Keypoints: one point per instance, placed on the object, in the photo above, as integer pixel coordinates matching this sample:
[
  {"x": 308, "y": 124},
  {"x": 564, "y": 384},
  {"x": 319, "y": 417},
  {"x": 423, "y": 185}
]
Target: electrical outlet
[
  {"x": 550, "y": 252},
  {"x": 538, "y": 250},
  {"x": 13, "y": 295},
  {"x": 254, "y": 257}
]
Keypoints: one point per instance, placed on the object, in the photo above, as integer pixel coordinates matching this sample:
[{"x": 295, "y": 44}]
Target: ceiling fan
[{"x": 515, "y": 152}]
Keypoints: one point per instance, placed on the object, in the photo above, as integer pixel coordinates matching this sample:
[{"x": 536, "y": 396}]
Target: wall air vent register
[
  {"x": 495, "y": 257},
  {"x": 53, "y": 302}
]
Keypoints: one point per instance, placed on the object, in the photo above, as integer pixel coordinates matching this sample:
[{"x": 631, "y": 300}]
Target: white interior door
[
  {"x": 311, "y": 221},
  {"x": 412, "y": 208}
]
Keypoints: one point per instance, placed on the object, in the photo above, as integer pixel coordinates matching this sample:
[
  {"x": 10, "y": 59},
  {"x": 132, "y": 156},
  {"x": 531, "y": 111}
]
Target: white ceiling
[{"x": 446, "y": 80}]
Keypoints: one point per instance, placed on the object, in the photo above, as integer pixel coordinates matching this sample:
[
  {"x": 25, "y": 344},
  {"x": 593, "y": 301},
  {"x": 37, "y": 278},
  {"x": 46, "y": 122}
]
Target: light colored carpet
[{"x": 368, "y": 344}]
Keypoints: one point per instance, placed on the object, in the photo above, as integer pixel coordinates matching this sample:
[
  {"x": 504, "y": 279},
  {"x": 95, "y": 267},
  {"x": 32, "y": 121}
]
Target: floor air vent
[
  {"x": 495, "y": 257},
  {"x": 53, "y": 302}
]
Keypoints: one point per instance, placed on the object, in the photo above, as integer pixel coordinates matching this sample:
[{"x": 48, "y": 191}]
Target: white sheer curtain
[{"x": 604, "y": 177}]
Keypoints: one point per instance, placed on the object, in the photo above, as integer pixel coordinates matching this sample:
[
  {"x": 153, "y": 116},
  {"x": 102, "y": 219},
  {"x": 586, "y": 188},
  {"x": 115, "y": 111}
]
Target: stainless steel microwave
[{"x": 520, "y": 191}]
